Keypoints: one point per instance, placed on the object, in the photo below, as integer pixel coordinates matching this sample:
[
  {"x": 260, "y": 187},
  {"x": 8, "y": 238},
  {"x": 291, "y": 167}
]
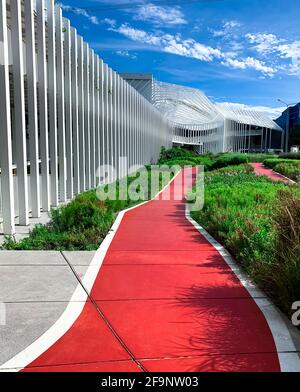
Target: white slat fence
[{"x": 63, "y": 113}]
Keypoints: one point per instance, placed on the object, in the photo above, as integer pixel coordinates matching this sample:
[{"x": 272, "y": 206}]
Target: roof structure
[{"x": 186, "y": 105}]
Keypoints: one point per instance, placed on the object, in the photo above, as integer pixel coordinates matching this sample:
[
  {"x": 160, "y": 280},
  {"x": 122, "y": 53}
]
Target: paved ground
[
  {"x": 36, "y": 288},
  {"x": 164, "y": 300},
  {"x": 261, "y": 170}
]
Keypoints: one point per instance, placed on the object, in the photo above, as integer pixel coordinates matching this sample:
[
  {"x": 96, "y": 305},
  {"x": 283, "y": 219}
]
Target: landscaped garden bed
[{"x": 258, "y": 221}]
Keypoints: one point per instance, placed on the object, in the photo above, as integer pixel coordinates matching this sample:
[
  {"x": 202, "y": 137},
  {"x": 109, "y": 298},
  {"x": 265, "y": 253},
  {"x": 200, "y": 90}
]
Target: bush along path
[{"x": 164, "y": 300}]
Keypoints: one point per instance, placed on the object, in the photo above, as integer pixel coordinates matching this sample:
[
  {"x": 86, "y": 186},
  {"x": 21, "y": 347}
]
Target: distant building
[
  {"x": 292, "y": 114},
  {"x": 294, "y": 117},
  {"x": 204, "y": 126}
]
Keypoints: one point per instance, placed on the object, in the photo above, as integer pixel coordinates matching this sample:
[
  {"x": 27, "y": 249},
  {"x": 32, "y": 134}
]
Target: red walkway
[
  {"x": 164, "y": 300},
  {"x": 261, "y": 170}
]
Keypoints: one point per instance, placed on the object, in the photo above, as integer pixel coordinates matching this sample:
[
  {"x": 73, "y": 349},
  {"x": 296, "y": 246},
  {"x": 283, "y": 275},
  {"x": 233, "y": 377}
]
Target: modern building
[
  {"x": 290, "y": 119},
  {"x": 204, "y": 125},
  {"x": 292, "y": 114}
]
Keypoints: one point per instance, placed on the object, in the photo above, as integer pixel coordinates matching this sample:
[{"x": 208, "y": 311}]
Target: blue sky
[{"x": 240, "y": 51}]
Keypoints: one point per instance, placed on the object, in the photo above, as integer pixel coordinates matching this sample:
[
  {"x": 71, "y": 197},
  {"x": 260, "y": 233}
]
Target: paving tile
[
  {"x": 205, "y": 258},
  {"x": 18, "y": 258},
  {"x": 88, "y": 340},
  {"x": 36, "y": 283},
  {"x": 189, "y": 327},
  {"x": 265, "y": 362},
  {"x": 109, "y": 367},
  {"x": 79, "y": 257},
  {"x": 164, "y": 281},
  {"x": 25, "y": 323}
]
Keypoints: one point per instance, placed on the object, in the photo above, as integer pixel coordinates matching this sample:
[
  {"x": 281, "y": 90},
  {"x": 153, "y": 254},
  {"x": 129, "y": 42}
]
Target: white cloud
[
  {"x": 270, "y": 43},
  {"x": 226, "y": 28},
  {"x": 171, "y": 43},
  {"x": 231, "y": 24},
  {"x": 126, "y": 53},
  {"x": 80, "y": 11},
  {"x": 291, "y": 51},
  {"x": 110, "y": 22},
  {"x": 138, "y": 35},
  {"x": 162, "y": 16},
  {"x": 191, "y": 48},
  {"x": 252, "y": 63},
  {"x": 264, "y": 43}
]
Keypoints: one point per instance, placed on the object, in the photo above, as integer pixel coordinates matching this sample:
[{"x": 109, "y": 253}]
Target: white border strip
[
  {"x": 76, "y": 303},
  {"x": 287, "y": 353}
]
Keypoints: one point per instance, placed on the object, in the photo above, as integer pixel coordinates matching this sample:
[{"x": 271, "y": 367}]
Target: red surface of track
[
  {"x": 261, "y": 170},
  {"x": 173, "y": 304}
]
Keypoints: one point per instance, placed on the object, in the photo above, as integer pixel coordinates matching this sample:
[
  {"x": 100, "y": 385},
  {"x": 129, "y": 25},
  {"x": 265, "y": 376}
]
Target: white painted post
[
  {"x": 5, "y": 130},
  {"x": 115, "y": 140},
  {"x": 52, "y": 94},
  {"x": 101, "y": 114},
  {"x": 68, "y": 108},
  {"x": 105, "y": 114},
  {"x": 110, "y": 124},
  {"x": 97, "y": 117},
  {"x": 32, "y": 109},
  {"x": 136, "y": 161},
  {"x": 124, "y": 127},
  {"x": 43, "y": 104},
  {"x": 61, "y": 106},
  {"x": 81, "y": 114},
  {"x": 19, "y": 110},
  {"x": 130, "y": 126},
  {"x": 92, "y": 120},
  {"x": 122, "y": 124},
  {"x": 75, "y": 122},
  {"x": 87, "y": 118}
]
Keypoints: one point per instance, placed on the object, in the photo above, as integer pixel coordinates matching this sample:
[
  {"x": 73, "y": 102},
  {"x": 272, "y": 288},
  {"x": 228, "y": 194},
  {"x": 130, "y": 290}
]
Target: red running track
[
  {"x": 261, "y": 170},
  {"x": 172, "y": 302}
]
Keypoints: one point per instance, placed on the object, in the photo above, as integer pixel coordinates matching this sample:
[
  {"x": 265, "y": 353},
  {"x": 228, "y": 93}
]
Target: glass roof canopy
[{"x": 188, "y": 106}]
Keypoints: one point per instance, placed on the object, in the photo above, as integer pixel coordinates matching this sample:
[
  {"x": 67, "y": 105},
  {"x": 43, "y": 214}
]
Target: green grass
[
  {"x": 84, "y": 222},
  {"x": 258, "y": 221},
  {"x": 182, "y": 157},
  {"x": 271, "y": 163}
]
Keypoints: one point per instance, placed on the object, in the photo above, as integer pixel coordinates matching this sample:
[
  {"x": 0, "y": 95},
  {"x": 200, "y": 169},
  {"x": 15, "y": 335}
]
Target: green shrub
[
  {"x": 175, "y": 153},
  {"x": 252, "y": 157},
  {"x": 280, "y": 277},
  {"x": 290, "y": 156},
  {"x": 229, "y": 160},
  {"x": 290, "y": 170},
  {"x": 180, "y": 162},
  {"x": 271, "y": 163}
]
